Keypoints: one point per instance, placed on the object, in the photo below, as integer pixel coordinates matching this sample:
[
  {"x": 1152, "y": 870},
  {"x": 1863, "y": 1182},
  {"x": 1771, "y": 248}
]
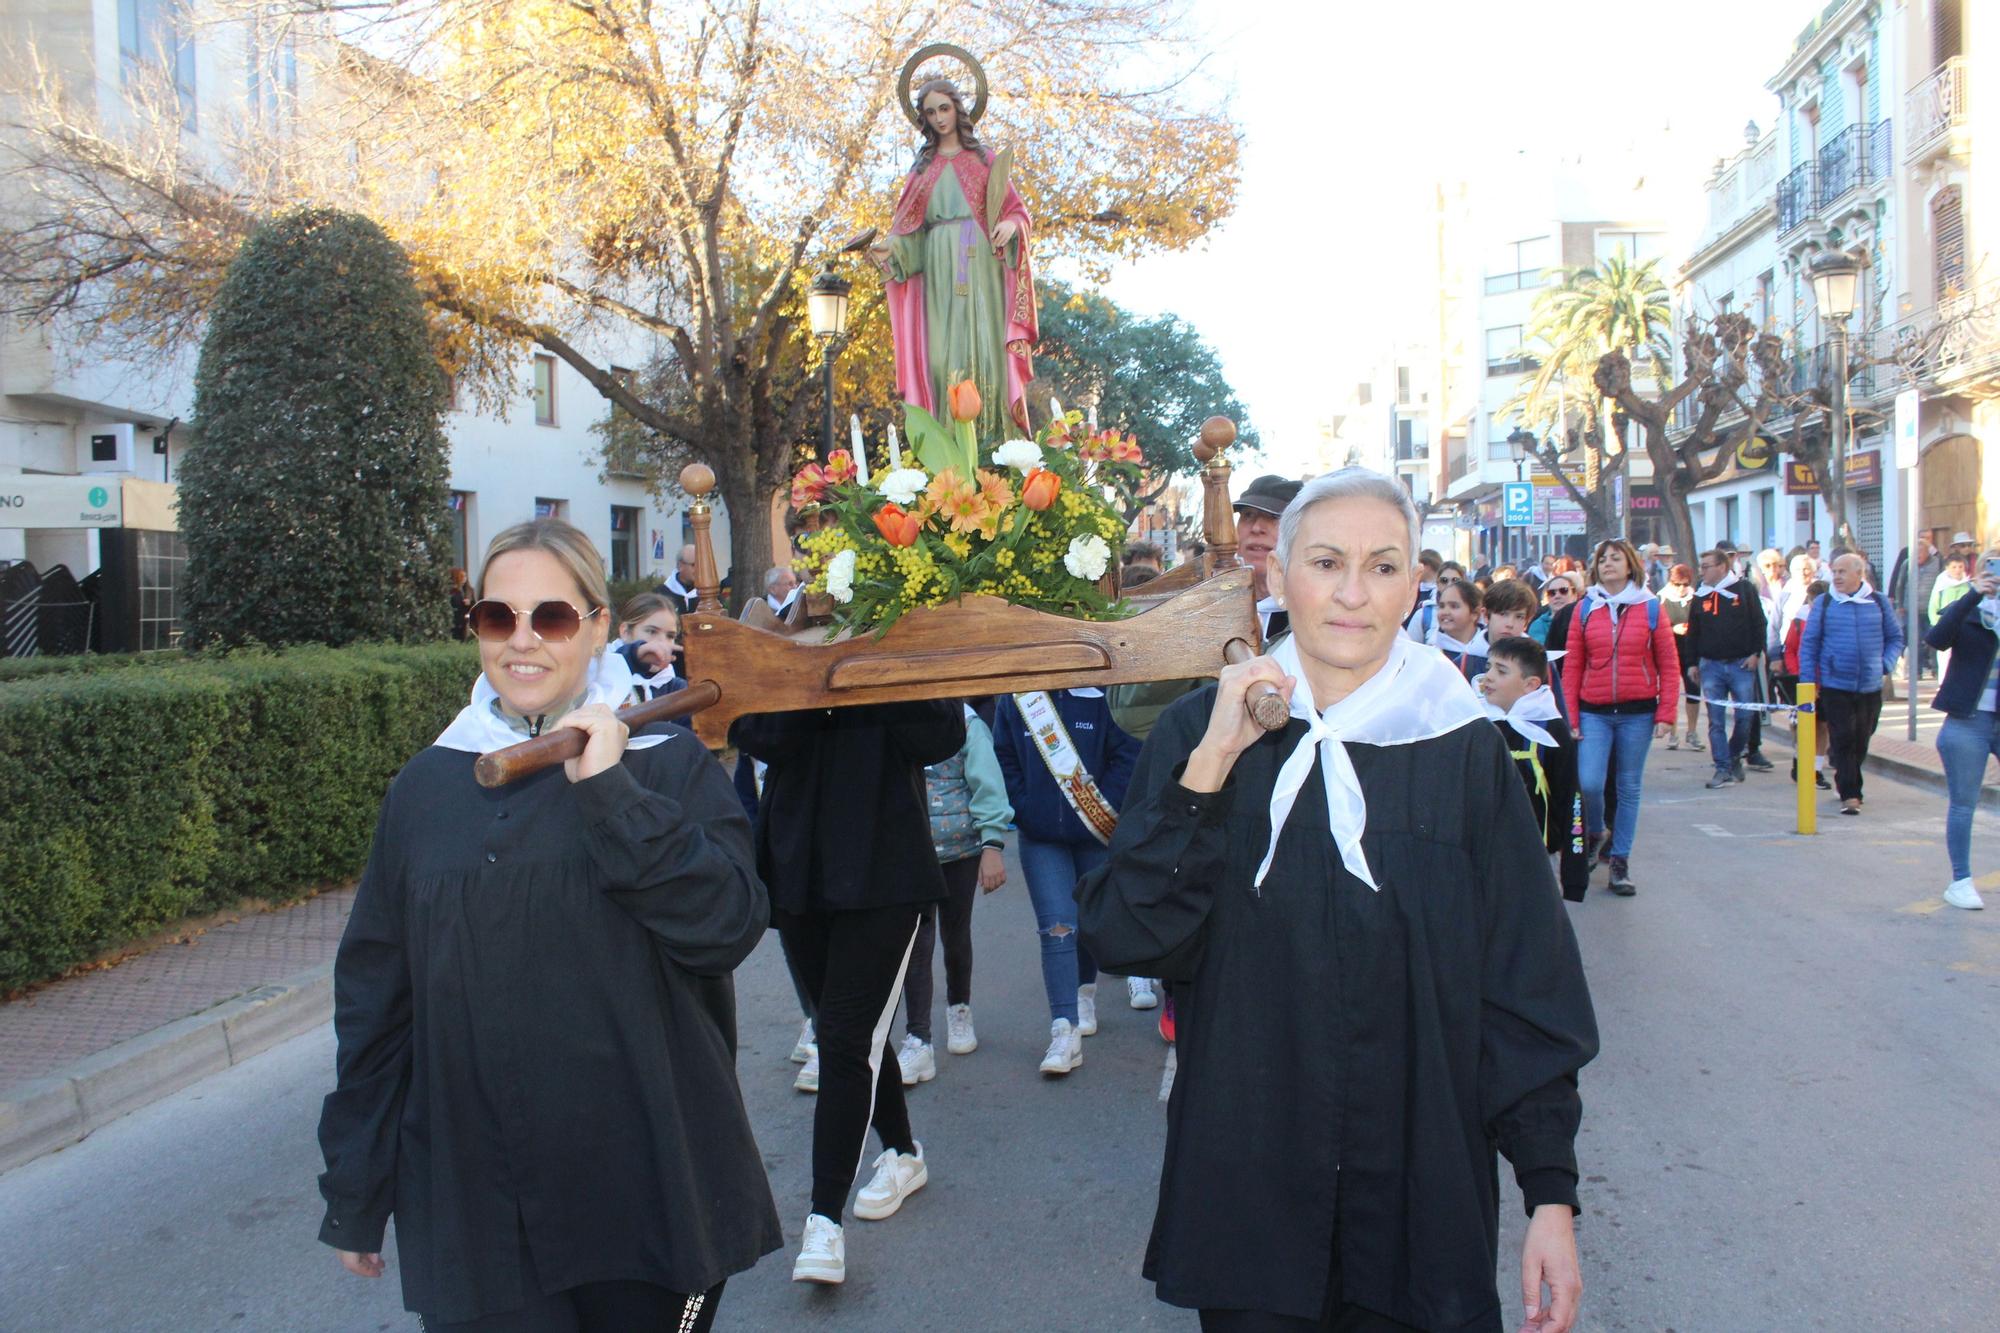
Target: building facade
[{"x": 68, "y": 407}]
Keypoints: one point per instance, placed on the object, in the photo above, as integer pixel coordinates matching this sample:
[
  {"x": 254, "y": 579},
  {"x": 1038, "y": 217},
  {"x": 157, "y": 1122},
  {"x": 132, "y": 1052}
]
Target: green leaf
[{"x": 929, "y": 440}]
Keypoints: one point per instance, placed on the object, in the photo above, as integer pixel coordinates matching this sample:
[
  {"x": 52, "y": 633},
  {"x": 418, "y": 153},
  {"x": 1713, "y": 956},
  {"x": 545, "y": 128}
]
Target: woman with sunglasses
[{"x": 536, "y": 1023}]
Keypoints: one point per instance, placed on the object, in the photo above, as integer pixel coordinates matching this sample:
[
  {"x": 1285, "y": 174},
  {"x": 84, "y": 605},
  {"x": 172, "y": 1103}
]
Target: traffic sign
[{"x": 1517, "y": 504}]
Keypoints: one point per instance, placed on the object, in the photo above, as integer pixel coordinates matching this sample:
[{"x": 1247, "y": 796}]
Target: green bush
[
  {"x": 28, "y": 668},
  {"x": 313, "y": 496},
  {"x": 135, "y": 798}
]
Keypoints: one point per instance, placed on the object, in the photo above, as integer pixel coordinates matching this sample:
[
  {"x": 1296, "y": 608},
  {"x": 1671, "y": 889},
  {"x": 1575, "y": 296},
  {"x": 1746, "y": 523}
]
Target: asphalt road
[{"x": 1786, "y": 1130}]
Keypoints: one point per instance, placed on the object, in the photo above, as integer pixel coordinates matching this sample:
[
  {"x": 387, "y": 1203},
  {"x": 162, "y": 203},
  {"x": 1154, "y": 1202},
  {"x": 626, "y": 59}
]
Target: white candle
[
  {"x": 860, "y": 452},
  {"x": 1055, "y": 412},
  {"x": 895, "y": 450},
  {"x": 1092, "y": 410}
]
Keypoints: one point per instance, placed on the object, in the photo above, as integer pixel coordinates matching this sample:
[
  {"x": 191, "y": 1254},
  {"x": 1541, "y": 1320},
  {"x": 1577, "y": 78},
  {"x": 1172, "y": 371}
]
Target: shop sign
[
  {"x": 1863, "y": 471},
  {"x": 33, "y": 501}
]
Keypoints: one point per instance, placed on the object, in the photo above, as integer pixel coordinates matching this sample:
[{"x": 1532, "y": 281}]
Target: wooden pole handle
[
  {"x": 497, "y": 768},
  {"x": 1268, "y": 708}
]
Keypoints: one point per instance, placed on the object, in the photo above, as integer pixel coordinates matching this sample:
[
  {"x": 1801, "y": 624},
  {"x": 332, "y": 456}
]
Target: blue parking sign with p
[{"x": 1517, "y": 504}]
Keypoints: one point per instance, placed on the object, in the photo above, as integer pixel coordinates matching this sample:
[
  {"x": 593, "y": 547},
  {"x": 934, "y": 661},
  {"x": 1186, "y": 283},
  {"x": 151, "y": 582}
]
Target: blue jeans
[
  {"x": 1613, "y": 743},
  {"x": 1964, "y": 742},
  {"x": 1052, "y": 870},
  {"x": 1726, "y": 680}
]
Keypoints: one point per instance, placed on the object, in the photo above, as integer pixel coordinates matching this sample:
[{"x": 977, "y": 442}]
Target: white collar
[
  {"x": 1476, "y": 645},
  {"x": 1416, "y": 695},
  {"x": 1084, "y": 692},
  {"x": 1861, "y": 594},
  {"x": 479, "y": 728},
  {"x": 676, "y": 587},
  {"x": 1528, "y": 713},
  {"x": 780, "y": 605},
  {"x": 1723, "y": 587}
]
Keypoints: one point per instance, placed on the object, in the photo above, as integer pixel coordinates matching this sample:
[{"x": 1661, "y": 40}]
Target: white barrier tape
[{"x": 1733, "y": 706}]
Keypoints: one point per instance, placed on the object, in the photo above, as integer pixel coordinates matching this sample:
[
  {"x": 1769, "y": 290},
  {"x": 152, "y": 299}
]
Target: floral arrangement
[{"x": 1036, "y": 525}]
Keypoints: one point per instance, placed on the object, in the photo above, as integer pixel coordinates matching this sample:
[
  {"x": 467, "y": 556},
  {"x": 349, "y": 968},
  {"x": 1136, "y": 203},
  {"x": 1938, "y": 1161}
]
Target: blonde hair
[{"x": 576, "y": 553}]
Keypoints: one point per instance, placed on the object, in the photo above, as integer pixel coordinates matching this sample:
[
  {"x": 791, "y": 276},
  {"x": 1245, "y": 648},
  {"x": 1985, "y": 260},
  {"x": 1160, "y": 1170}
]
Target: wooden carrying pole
[{"x": 497, "y": 768}]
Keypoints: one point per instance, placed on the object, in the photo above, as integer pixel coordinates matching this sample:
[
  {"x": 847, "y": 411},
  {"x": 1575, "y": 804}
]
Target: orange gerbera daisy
[{"x": 963, "y": 504}]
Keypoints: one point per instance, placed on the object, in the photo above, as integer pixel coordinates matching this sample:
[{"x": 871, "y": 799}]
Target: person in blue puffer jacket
[
  {"x": 1057, "y": 847},
  {"x": 1852, "y": 639}
]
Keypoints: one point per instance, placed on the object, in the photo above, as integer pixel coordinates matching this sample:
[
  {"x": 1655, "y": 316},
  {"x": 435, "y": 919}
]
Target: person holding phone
[{"x": 1969, "y": 696}]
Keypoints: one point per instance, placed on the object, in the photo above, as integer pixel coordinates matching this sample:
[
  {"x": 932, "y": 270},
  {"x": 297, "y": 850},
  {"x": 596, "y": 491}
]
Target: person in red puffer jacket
[{"x": 1621, "y": 685}]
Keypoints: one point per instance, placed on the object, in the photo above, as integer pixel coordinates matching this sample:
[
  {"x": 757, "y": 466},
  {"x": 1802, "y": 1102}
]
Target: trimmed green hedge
[
  {"x": 133, "y": 798},
  {"x": 30, "y": 668}
]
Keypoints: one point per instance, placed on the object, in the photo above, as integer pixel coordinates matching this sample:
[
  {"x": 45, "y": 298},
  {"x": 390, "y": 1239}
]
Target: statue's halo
[{"x": 906, "y": 93}]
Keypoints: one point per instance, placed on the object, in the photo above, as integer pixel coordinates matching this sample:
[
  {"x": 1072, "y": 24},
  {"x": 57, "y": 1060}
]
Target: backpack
[{"x": 1652, "y": 612}]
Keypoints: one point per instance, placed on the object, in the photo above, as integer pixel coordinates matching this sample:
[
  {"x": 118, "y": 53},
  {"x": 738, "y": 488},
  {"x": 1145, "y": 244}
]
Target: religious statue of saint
[{"x": 960, "y": 286}]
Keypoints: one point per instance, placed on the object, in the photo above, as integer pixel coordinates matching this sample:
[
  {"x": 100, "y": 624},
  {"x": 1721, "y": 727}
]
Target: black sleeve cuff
[
  {"x": 1548, "y": 1184},
  {"x": 346, "y": 1229},
  {"x": 1202, "y": 807}
]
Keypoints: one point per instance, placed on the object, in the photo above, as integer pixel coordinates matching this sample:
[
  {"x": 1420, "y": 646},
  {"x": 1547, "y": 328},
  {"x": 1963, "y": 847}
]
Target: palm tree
[{"x": 1619, "y": 306}]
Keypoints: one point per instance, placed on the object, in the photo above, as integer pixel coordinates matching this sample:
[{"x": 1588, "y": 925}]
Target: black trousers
[
  {"x": 594, "y": 1307},
  {"x": 1849, "y": 717},
  {"x": 853, "y": 965},
  {"x": 961, "y": 885}
]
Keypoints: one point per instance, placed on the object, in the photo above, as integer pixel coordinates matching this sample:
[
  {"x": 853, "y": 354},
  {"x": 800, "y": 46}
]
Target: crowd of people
[{"x": 526, "y": 960}]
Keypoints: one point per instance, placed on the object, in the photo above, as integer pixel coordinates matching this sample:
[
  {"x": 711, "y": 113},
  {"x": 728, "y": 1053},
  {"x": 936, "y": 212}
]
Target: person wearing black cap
[{"x": 1257, "y": 512}]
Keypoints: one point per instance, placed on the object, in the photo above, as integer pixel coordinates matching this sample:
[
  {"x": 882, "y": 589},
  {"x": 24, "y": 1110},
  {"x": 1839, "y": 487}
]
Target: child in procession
[{"x": 1522, "y": 705}]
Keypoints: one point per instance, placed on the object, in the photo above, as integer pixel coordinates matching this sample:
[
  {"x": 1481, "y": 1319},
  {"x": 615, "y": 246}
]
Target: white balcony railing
[{"x": 1935, "y": 107}]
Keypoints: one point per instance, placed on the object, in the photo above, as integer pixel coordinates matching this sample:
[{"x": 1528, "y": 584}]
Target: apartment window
[
  {"x": 547, "y": 508},
  {"x": 150, "y": 34},
  {"x": 1504, "y": 354},
  {"x": 545, "y": 389},
  {"x": 1636, "y": 246},
  {"x": 1947, "y": 30},
  {"x": 1402, "y": 386},
  {"x": 458, "y": 514},
  {"x": 1947, "y": 243},
  {"x": 1731, "y": 524},
  {"x": 624, "y": 542},
  {"x": 1518, "y": 265},
  {"x": 1364, "y": 394},
  {"x": 1767, "y": 518},
  {"x": 1764, "y": 299},
  {"x": 272, "y": 73}
]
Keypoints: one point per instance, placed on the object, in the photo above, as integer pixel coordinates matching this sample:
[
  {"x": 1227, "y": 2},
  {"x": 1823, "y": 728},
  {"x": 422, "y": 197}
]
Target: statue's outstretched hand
[{"x": 1006, "y": 230}]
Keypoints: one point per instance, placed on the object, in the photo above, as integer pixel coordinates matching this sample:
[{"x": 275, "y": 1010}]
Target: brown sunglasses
[{"x": 493, "y": 621}]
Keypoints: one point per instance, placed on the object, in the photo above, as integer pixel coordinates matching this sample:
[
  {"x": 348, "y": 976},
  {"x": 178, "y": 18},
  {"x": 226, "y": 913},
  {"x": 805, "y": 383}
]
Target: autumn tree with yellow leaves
[{"x": 563, "y": 169}]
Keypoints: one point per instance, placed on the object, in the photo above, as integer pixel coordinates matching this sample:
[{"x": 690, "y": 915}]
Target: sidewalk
[{"x": 85, "y": 1050}]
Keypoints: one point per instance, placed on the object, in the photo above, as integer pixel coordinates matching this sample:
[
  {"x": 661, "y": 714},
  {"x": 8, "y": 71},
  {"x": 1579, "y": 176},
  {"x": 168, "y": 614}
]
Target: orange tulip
[
  {"x": 964, "y": 400},
  {"x": 1040, "y": 488},
  {"x": 897, "y": 526}
]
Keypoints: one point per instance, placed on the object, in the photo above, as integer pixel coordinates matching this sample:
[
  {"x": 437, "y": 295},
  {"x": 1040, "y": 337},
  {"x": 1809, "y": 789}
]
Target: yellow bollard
[{"x": 1805, "y": 742}]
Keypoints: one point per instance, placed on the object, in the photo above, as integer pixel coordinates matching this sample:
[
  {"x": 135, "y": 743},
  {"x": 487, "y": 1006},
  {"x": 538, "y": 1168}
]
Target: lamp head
[
  {"x": 826, "y": 304},
  {"x": 1833, "y": 279}
]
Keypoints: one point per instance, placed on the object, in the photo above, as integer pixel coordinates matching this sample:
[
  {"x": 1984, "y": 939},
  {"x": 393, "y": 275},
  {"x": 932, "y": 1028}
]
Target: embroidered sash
[{"x": 1065, "y": 765}]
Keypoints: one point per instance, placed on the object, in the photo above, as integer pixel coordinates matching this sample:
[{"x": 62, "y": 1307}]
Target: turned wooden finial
[
  {"x": 698, "y": 479},
  {"x": 1218, "y": 521}
]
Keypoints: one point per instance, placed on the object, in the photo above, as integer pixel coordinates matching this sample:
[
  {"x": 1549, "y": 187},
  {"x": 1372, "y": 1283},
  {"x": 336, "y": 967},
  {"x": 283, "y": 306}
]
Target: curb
[{"x": 64, "y": 1107}]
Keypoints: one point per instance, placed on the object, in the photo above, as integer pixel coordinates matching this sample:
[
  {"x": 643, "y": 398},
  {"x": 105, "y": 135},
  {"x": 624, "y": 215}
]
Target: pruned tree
[{"x": 567, "y": 175}]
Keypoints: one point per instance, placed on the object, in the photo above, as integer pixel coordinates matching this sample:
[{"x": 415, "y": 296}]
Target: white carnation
[
  {"x": 1088, "y": 557},
  {"x": 840, "y": 577},
  {"x": 904, "y": 485},
  {"x": 1021, "y": 455}
]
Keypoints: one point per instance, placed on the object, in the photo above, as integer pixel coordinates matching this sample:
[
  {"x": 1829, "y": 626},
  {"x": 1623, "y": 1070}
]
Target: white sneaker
[
  {"x": 1962, "y": 894},
  {"x": 808, "y": 1079},
  {"x": 959, "y": 1038},
  {"x": 1065, "y": 1048},
  {"x": 1141, "y": 990},
  {"x": 1086, "y": 1010},
  {"x": 917, "y": 1059},
  {"x": 822, "y": 1253},
  {"x": 802, "y": 1049},
  {"x": 898, "y": 1175}
]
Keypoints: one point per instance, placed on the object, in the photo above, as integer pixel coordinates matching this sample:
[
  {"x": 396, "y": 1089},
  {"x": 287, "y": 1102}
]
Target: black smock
[
  {"x": 1349, "y": 1059},
  {"x": 1548, "y": 775},
  {"x": 845, "y": 822},
  {"x": 537, "y": 1033}
]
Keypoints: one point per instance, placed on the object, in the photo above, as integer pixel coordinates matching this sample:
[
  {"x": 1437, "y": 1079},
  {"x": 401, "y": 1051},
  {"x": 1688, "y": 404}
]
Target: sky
[{"x": 1350, "y": 112}]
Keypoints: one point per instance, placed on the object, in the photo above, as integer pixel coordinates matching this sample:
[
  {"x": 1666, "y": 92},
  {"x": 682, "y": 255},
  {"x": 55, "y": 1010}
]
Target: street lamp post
[
  {"x": 826, "y": 310},
  {"x": 1523, "y": 445},
  {"x": 1833, "y": 279}
]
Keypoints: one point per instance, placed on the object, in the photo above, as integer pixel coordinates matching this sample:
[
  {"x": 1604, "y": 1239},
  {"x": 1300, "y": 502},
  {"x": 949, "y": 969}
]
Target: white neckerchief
[
  {"x": 1723, "y": 587},
  {"x": 676, "y": 587},
  {"x": 778, "y": 605},
  {"x": 1415, "y": 696},
  {"x": 479, "y": 727},
  {"x": 1476, "y": 646},
  {"x": 1861, "y": 594},
  {"x": 1527, "y": 715},
  {"x": 1633, "y": 593},
  {"x": 1265, "y": 607}
]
